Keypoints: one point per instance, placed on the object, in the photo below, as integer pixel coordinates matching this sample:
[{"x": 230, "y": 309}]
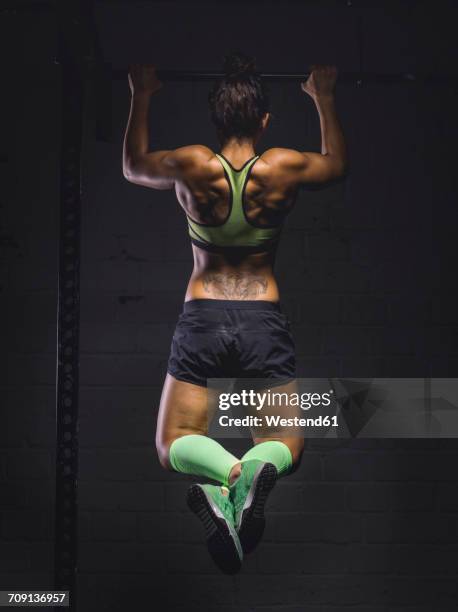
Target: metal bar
[
  {"x": 75, "y": 52},
  {"x": 66, "y": 512},
  {"x": 356, "y": 78}
]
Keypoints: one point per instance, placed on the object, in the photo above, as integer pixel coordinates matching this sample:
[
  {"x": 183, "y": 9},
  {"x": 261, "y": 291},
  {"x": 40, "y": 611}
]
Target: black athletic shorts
[{"x": 232, "y": 339}]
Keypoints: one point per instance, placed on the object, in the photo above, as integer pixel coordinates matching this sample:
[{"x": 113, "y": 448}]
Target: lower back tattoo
[{"x": 234, "y": 285}]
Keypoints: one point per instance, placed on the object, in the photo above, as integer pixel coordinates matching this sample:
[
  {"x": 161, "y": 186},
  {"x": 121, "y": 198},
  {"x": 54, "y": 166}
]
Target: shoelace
[
  {"x": 226, "y": 501},
  {"x": 237, "y": 500}
]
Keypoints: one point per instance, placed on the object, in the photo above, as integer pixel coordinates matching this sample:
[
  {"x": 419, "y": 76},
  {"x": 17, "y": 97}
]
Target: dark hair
[{"x": 239, "y": 100}]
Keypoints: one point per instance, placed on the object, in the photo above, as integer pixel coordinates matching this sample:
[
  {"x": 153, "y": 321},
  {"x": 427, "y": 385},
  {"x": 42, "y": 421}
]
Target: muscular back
[{"x": 204, "y": 192}]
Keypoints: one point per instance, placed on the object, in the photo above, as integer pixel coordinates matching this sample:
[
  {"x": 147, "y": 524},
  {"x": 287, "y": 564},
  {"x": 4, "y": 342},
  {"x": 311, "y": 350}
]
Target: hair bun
[{"x": 239, "y": 65}]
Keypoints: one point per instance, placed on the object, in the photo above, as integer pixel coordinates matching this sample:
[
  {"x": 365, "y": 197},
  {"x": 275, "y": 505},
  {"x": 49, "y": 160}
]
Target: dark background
[{"x": 367, "y": 271}]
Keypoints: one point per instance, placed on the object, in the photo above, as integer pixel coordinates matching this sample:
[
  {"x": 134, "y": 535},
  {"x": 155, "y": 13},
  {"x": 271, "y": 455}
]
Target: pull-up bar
[{"x": 357, "y": 78}]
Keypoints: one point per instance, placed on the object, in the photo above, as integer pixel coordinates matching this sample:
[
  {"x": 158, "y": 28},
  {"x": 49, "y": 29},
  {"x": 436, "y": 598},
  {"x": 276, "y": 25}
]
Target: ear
[{"x": 265, "y": 121}]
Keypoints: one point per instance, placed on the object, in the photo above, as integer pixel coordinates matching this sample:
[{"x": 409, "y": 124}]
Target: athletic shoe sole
[
  {"x": 253, "y": 522},
  {"x": 222, "y": 539}
]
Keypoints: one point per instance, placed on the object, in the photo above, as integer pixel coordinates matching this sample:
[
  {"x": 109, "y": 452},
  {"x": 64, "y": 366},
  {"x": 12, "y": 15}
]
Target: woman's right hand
[{"x": 321, "y": 81}]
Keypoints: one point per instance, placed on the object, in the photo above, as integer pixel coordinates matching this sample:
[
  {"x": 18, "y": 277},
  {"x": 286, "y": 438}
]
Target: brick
[
  {"x": 31, "y": 306},
  {"x": 418, "y": 528},
  {"x": 285, "y": 497},
  {"x": 27, "y": 524},
  {"x": 444, "y": 309},
  {"x": 112, "y": 526},
  {"x": 122, "y": 464},
  {"x": 364, "y": 310},
  {"x": 27, "y": 427},
  {"x": 29, "y": 464},
  {"x": 401, "y": 310},
  {"x": 368, "y": 497},
  {"x": 40, "y": 493},
  {"x": 294, "y": 527},
  {"x": 171, "y": 274},
  {"x": 124, "y": 247},
  {"x": 127, "y": 370},
  {"x": 189, "y": 559},
  {"x": 413, "y": 497},
  {"x": 307, "y": 339},
  {"x": 443, "y": 366},
  {"x": 448, "y": 497},
  {"x": 341, "y": 528},
  {"x": 175, "y": 496},
  {"x": 154, "y": 338},
  {"x": 345, "y": 277},
  {"x": 112, "y": 276},
  {"x": 373, "y": 559},
  {"x": 360, "y": 367},
  {"x": 444, "y": 340},
  {"x": 303, "y": 558},
  {"x": 346, "y": 341},
  {"x": 310, "y": 467},
  {"x": 30, "y": 338},
  {"x": 406, "y": 367},
  {"x": 121, "y": 557},
  {"x": 308, "y": 309},
  {"x": 128, "y": 496},
  {"x": 319, "y": 367},
  {"x": 154, "y": 307},
  {"x": 174, "y": 527},
  {"x": 430, "y": 560},
  {"x": 15, "y": 556},
  {"x": 36, "y": 371},
  {"x": 96, "y": 307},
  {"x": 347, "y": 466},
  {"x": 369, "y": 246},
  {"x": 118, "y": 403},
  {"x": 328, "y": 246},
  {"x": 323, "y": 497},
  {"x": 13, "y": 494},
  {"x": 430, "y": 466},
  {"x": 108, "y": 338},
  {"x": 392, "y": 340}
]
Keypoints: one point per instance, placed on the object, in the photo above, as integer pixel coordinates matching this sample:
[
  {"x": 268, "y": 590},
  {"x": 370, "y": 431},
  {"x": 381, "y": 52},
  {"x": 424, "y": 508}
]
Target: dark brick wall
[
  {"x": 29, "y": 149},
  {"x": 367, "y": 272}
]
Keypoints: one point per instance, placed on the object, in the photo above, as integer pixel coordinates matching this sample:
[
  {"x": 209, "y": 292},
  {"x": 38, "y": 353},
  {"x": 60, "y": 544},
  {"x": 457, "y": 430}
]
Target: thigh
[{"x": 182, "y": 410}]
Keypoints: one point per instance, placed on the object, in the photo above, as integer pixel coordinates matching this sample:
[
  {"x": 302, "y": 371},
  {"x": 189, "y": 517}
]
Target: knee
[{"x": 163, "y": 452}]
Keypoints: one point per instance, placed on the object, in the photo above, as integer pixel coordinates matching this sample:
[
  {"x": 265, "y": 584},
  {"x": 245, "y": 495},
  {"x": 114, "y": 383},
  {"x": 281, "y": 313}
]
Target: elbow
[
  {"x": 127, "y": 172},
  {"x": 129, "y": 166}
]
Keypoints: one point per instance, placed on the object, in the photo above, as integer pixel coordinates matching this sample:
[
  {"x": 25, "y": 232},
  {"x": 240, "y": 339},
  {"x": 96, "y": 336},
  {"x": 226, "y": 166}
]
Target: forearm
[
  {"x": 136, "y": 139},
  {"x": 332, "y": 138}
]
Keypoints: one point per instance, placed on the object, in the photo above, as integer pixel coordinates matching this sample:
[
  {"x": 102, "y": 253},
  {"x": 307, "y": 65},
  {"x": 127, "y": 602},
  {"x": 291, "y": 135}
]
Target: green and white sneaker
[
  {"x": 249, "y": 494},
  {"x": 216, "y": 512}
]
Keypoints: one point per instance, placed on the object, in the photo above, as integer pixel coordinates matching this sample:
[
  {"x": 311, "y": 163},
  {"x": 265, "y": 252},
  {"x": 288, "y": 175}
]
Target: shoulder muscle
[{"x": 304, "y": 167}]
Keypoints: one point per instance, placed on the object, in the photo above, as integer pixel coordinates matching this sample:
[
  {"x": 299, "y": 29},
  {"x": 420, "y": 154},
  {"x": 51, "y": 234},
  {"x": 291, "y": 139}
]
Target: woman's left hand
[{"x": 143, "y": 79}]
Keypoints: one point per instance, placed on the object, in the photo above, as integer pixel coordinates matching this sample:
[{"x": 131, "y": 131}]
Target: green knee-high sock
[
  {"x": 201, "y": 456},
  {"x": 271, "y": 451}
]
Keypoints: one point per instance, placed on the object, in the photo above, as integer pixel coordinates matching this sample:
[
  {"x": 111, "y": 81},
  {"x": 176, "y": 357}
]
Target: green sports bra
[{"x": 236, "y": 231}]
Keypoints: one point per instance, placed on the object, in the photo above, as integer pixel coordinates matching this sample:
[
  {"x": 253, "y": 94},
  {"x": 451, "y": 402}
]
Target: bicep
[
  {"x": 319, "y": 168},
  {"x": 157, "y": 170}
]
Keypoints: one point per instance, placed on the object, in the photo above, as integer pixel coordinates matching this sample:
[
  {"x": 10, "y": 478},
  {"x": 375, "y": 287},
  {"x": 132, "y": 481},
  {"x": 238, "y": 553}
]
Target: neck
[{"x": 238, "y": 150}]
